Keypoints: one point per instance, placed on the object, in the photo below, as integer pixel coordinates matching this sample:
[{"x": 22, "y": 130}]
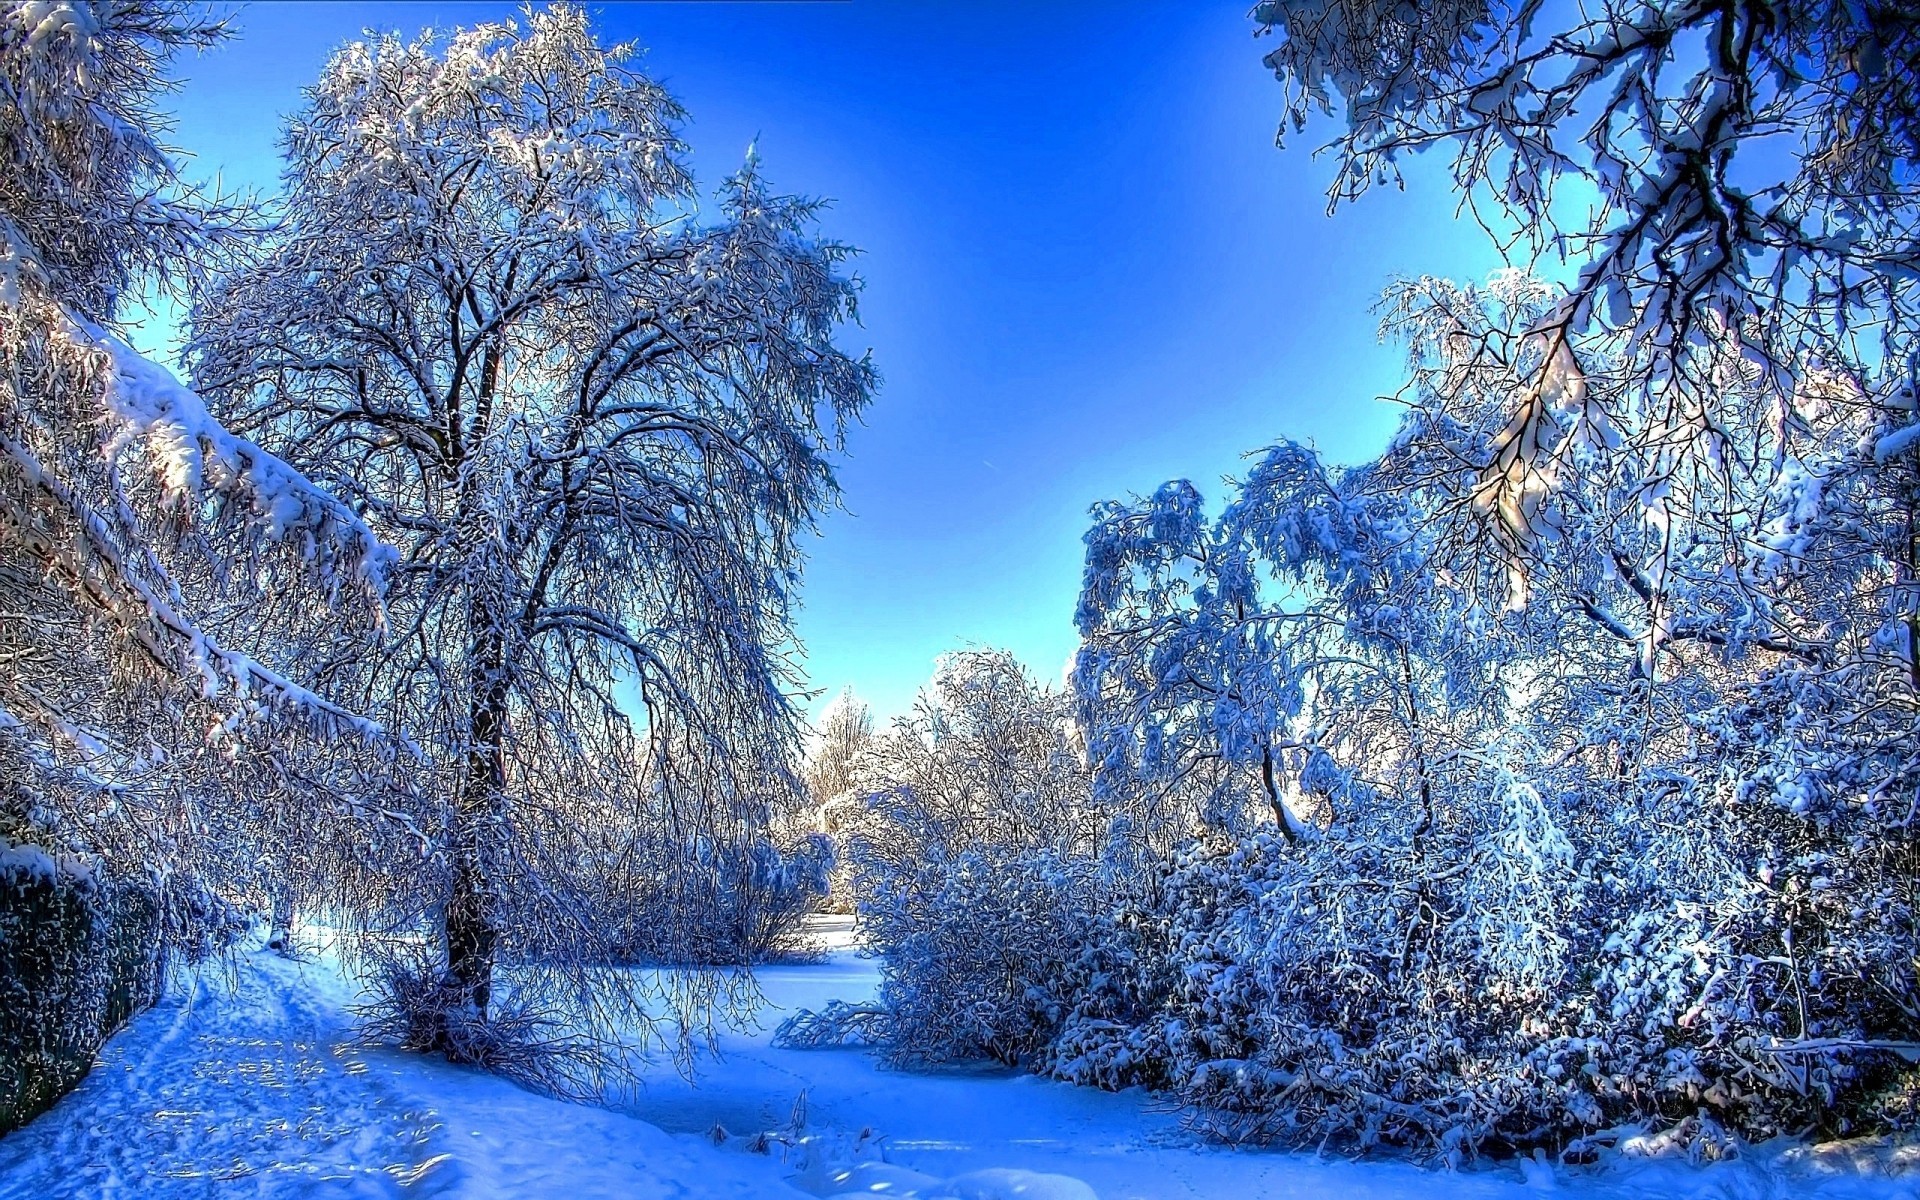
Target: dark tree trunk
[
  {"x": 471, "y": 923},
  {"x": 280, "y": 923}
]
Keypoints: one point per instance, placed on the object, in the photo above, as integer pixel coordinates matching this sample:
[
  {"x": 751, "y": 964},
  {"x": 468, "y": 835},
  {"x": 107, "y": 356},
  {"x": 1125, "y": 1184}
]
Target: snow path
[
  {"x": 244, "y": 1079},
  {"x": 247, "y": 1084}
]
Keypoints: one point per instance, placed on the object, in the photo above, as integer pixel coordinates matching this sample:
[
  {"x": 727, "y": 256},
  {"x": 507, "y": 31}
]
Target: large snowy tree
[
  {"x": 1654, "y": 824},
  {"x": 594, "y": 425}
]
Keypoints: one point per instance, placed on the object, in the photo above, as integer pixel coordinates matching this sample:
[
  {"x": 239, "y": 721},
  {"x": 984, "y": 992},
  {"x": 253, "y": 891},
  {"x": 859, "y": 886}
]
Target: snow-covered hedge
[{"x": 78, "y": 957}]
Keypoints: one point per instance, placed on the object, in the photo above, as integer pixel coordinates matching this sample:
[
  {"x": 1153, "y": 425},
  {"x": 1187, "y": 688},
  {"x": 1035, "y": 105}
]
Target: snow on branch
[{"x": 195, "y": 455}]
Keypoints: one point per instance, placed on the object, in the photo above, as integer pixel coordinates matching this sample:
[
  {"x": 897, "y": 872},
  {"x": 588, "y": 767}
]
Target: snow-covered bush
[
  {"x": 1118, "y": 985},
  {"x": 845, "y": 733},
  {"x": 1329, "y": 993},
  {"x": 973, "y": 851},
  {"x": 978, "y": 946}
]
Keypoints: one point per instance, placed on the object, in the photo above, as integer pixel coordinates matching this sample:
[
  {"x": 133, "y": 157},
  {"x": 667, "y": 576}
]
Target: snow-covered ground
[{"x": 248, "y": 1084}]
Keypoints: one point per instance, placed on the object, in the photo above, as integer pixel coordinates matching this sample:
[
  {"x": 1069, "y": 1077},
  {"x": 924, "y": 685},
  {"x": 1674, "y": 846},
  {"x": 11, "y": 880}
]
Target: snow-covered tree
[
  {"x": 593, "y": 424},
  {"x": 988, "y": 754},
  {"x": 168, "y": 587},
  {"x": 1735, "y": 179},
  {"x": 1616, "y": 837},
  {"x": 844, "y": 734},
  {"x": 973, "y": 848}
]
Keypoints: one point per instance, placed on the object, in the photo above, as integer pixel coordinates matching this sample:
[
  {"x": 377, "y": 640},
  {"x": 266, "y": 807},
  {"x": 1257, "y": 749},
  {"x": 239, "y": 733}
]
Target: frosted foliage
[
  {"x": 845, "y": 733},
  {"x": 1672, "y": 113},
  {"x": 974, "y": 859},
  {"x": 1468, "y": 808},
  {"x": 1378, "y": 58},
  {"x": 595, "y": 426},
  {"x": 169, "y": 591},
  {"x": 90, "y": 200},
  {"x": 194, "y": 457},
  {"x": 1737, "y": 186},
  {"x": 988, "y": 754}
]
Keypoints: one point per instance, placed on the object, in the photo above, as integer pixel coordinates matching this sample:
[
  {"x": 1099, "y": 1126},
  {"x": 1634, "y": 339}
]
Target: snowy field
[{"x": 247, "y": 1083}]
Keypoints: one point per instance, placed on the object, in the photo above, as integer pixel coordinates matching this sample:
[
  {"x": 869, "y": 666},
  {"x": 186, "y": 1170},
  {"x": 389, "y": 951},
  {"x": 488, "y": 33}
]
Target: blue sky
[{"x": 1088, "y": 270}]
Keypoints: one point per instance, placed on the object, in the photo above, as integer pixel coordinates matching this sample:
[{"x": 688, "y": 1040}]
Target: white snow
[
  {"x": 1893, "y": 444},
  {"x": 196, "y": 454},
  {"x": 27, "y": 860},
  {"x": 247, "y": 1082},
  {"x": 24, "y": 859},
  {"x": 45, "y": 20}
]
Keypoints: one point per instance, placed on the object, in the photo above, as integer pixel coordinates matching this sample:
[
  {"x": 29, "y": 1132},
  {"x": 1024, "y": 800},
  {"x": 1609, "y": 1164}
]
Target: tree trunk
[
  {"x": 470, "y": 921},
  {"x": 280, "y": 923}
]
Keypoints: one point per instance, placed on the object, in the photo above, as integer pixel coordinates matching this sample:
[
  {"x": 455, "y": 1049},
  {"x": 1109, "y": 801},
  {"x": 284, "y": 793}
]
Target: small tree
[
  {"x": 845, "y": 733},
  {"x": 988, "y": 755},
  {"x": 974, "y": 853}
]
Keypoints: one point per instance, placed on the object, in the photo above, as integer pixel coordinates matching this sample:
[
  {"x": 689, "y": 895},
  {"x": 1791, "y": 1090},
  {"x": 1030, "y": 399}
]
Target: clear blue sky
[{"x": 1088, "y": 270}]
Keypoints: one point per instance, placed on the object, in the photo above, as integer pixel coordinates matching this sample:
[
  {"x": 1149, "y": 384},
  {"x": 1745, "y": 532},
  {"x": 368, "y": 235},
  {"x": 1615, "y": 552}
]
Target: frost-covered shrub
[
  {"x": 1347, "y": 991},
  {"x": 1119, "y": 983},
  {"x": 978, "y": 949},
  {"x": 973, "y": 851},
  {"x": 1428, "y": 1052},
  {"x": 1761, "y": 969},
  {"x": 700, "y": 905},
  {"x": 1320, "y": 992},
  {"x": 844, "y": 733}
]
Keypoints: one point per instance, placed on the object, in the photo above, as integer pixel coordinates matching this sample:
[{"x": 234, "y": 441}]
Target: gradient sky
[{"x": 1088, "y": 270}]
